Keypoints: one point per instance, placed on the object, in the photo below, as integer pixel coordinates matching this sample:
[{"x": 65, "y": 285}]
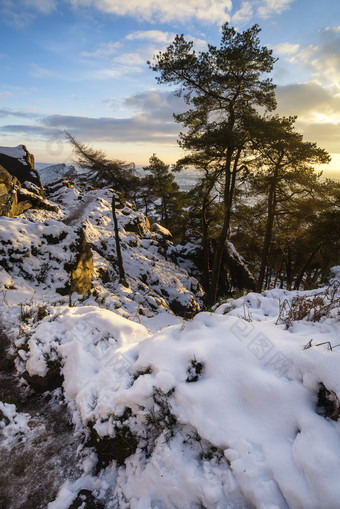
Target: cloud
[
  {"x": 318, "y": 111},
  {"x": 106, "y": 49},
  {"x": 163, "y": 38},
  {"x": 286, "y": 48},
  {"x": 159, "y": 106},
  {"x": 21, "y": 13},
  {"x": 130, "y": 59},
  {"x": 308, "y": 100},
  {"x": 244, "y": 14},
  {"x": 270, "y": 7},
  {"x": 40, "y": 131},
  {"x": 212, "y": 11},
  {"x": 150, "y": 122},
  {"x": 45, "y": 7},
  {"x": 327, "y": 135},
  {"x": 151, "y": 35},
  {"x": 138, "y": 128},
  {"x": 8, "y": 112},
  {"x": 322, "y": 59}
]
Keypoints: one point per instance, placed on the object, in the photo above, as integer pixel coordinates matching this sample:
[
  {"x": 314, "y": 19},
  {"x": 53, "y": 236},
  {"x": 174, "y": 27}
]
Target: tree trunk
[
  {"x": 229, "y": 186},
  {"x": 269, "y": 226},
  {"x": 289, "y": 268},
  {"x": 122, "y": 277},
  {"x": 298, "y": 280},
  {"x": 206, "y": 251}
]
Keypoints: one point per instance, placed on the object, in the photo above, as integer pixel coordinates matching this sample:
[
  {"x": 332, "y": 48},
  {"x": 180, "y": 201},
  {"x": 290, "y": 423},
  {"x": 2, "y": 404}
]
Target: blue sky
[{"x": 80, "y": 65}]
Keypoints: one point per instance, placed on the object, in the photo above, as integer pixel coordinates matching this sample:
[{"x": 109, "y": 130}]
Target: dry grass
[{"x": 310, "y": 307}]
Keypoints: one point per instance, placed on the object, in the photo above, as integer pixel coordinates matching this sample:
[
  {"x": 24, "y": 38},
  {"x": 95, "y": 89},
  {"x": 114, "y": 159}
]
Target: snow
[
  {"x": 254, "y": 401},
  {"x": 51, "y": 173},
  {"x": 13, "y": 425},
  {"x": 224, "y": 409},
  {"x": 15, "y": 152}
]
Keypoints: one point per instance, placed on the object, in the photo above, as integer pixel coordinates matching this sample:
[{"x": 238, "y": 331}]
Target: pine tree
[{"x": 224, "y": 87}]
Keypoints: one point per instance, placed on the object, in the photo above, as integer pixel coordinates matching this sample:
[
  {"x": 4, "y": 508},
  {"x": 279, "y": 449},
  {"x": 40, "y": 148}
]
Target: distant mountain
[{"x": 49, "y": 174}]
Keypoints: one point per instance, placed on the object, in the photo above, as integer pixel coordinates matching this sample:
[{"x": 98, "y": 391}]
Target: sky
[{"x": 81, "y": 66}]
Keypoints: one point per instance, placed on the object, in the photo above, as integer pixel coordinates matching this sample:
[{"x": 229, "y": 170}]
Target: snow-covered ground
[
  {"x": 230, "y": 409},
  {"x": 234, "y": 409}
]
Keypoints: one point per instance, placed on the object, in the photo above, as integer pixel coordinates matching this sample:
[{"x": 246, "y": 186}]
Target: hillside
[{"x": 131, "y": 397}]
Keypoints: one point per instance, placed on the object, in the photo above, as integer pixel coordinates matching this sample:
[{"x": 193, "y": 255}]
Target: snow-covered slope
[
  {"x": 231, "y": 409},
  {"x": 38, "y": 247},
  {"x": 54, "y": 172},
  {"x": 237, "y": 408}
]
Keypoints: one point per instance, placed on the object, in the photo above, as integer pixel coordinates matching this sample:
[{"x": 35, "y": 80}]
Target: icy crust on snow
[{"x": 223, "y": 406}]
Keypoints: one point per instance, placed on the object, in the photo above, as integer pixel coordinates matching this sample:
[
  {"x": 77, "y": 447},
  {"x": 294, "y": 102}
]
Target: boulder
[
  {"x": 82, "y": 271},
  {"x": 8, "y": 193},
  {"x": 20, "y": 164},
  {"x": 160, "y": 230},
  {"x": 20, "y": 186}
]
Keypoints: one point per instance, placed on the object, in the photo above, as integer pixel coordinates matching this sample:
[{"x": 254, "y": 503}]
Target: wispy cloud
[
  {"x": 244, "y": 14},
  {"x": 151, "y": 35},
  {"x": 21, "y": 13},
  {"x": 322, "y": 59},
  {"x": 8, "y": 112},
  {"x": 106, "y": 49},
  {"x": 213, "y": 11},
  {"x": 150, "y": 122},
  {"x": 286, "y": 48},
  {"x": 270, "y": 7}
]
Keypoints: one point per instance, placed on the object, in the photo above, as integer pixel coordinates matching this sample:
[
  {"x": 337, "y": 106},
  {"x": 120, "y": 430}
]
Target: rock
[
  {"x": 20, "y": 164},
  {"x": 80, "y": 268},
  {"x": 240, "y": 275},
  {"x": 20, "y": 186},
  {"x": 82, "y": 272},
  {"x": 136, "y": 226},
  {"x": 185, "y": 306},
  {"x": 160, "y": 230},
  {"x": 8, "y": 193}
]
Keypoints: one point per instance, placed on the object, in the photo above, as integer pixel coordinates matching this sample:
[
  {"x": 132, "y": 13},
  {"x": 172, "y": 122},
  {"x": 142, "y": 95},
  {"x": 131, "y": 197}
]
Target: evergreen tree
[
  {"x": 160, "y": 185},
  {"x": 224, "y": 87},
  {"x": 284, "y": 173}
]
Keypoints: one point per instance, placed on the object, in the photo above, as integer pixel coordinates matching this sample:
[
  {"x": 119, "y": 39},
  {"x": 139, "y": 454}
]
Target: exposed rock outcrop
[
  {"x": 82, "y": 272},
  {"x": 20, "y": 186},
  {"x": 8, "y": 193},
  {"x": 20, "y": 164}
]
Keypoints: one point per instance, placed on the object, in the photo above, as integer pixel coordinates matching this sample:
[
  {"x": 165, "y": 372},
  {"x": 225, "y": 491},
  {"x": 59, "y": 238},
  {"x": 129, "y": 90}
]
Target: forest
[{"x": 260, "y": 215}]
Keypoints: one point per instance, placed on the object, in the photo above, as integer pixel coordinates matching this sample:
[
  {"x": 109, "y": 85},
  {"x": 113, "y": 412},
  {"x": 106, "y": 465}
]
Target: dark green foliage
[
  {"x": 328, "y": 404},
  {"x": 54, "y": 239},
  {"x": 194, "y": 371},
  {"x": 52, "y": 380},
  {"x": 223, "y": 87},
  {"x": 117, "y": 448},
  {"x": 161, "y": 198},
  {"x": 160, "y": 418}
]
